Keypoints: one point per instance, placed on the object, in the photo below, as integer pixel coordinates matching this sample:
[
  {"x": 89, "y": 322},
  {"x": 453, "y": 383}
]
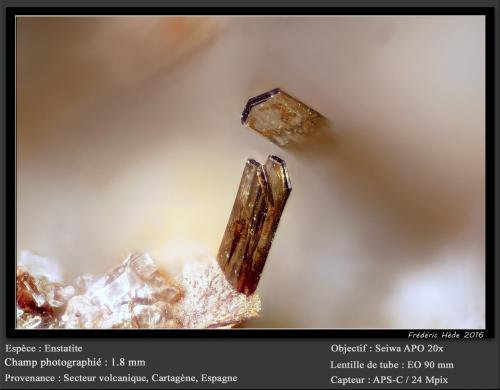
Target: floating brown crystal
[
  {"x": 261, "y": 198},
  {"x": 281, "y": 118}
]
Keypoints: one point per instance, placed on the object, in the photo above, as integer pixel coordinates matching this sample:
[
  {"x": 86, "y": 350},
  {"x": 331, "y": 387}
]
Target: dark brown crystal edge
[{"x": 252, "y": 102}]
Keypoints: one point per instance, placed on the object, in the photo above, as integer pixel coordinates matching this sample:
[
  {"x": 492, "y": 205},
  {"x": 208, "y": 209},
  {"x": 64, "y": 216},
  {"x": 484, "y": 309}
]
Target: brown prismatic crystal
[
  {"x": 261, "y": 198},
  {"x": 282, "y": 118}
]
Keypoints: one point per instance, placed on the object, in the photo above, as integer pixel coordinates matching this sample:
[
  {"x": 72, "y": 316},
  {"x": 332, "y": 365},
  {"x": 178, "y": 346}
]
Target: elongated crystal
[{"x": 261, "y": 198}]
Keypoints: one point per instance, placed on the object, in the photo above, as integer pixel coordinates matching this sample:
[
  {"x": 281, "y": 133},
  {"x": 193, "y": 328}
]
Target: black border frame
[{"x": 10, "y": 16}]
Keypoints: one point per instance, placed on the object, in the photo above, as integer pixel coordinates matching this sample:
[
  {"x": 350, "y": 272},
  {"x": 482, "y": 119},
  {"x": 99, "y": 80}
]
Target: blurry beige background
[{"x": 128, "y": 138}]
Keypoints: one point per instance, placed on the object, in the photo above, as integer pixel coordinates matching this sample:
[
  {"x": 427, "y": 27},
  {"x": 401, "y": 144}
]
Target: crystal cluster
[
  {"x": 134, "y": 294},
  {"x": 261, "y": 198},
  {"x": 281, "y": 118}
]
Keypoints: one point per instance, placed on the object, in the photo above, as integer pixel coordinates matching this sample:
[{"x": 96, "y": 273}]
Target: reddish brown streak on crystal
[
  {"x": 261, "y": 198},
  {"x": 27, "y": 289}
]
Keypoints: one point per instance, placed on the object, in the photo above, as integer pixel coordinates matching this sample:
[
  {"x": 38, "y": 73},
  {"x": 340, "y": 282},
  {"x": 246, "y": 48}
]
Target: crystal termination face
[
  {"x": 261, "y": 198},
  {"x": 281, "y": 118}
]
